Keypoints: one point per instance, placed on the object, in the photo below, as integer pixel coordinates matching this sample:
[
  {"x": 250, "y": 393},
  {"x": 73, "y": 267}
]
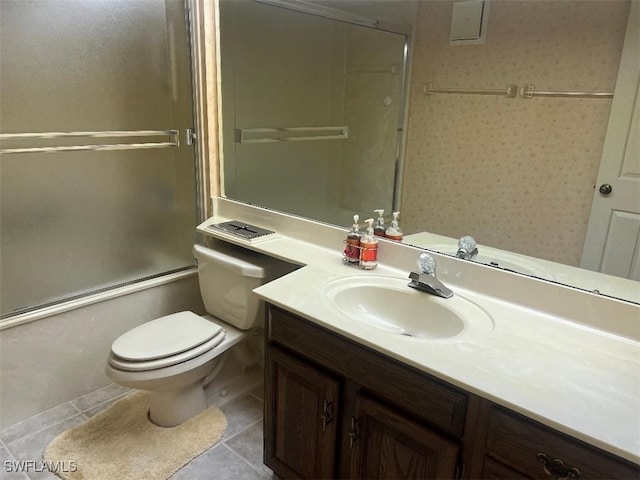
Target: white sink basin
[{"x": 388, "y": 304}]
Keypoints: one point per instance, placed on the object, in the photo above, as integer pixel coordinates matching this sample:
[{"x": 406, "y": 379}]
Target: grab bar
[
  {"x": 173, "y": 140},
  {"x": 291, "y": 134},
  {"x": 529, "y": 91},
  {"x": 511, "y": 91}
]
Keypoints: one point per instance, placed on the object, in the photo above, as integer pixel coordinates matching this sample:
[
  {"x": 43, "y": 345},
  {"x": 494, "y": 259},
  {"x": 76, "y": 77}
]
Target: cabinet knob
[{"x": 557, "y": 469}]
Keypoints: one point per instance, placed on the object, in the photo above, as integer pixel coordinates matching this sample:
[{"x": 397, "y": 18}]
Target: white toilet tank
[{"x": 227, "y": 276}]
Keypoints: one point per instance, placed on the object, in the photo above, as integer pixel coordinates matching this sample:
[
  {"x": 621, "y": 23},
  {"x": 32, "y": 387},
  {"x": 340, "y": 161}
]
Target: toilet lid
[
  {"x": 137, "y": 366},
  {"x": 165, "y": 337}
]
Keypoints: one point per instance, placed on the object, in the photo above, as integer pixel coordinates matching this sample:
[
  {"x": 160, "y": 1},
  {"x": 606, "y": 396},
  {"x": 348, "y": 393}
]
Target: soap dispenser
[
  {"x": 369, "y": 248},
  {"x": 394, "y": 232},
  {"x": 352, "y": 250},
  {"x": 379, "y": 230}
]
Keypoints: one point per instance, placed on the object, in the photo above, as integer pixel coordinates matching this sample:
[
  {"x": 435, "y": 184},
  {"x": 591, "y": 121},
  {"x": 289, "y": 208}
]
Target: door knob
[{"x": 605, "y": 189}]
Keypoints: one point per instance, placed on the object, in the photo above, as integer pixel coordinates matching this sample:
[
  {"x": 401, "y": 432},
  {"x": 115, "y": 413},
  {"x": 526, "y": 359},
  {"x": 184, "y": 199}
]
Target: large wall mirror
[{"x": 343, "y": 107}]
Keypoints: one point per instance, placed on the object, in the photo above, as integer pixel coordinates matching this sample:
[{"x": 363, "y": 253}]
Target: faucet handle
[
  {"x": 467, "y": 248},
  {"x": 427, "y": 264},
  {"x": 467, "y": 243}
]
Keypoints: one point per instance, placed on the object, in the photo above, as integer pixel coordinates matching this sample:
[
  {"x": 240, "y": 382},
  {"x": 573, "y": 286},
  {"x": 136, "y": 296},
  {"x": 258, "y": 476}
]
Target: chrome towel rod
[
  {"x": 529, "y": 91},
  {"x": 511, "y": 91},
  {"x": 291, "y": 134},
  {"x": 173, "y": 140}
]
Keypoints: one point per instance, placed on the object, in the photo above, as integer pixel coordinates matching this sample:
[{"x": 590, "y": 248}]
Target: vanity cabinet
[
  {"x": 305, "y": 410},
  {"x": 337, "y": 409}
]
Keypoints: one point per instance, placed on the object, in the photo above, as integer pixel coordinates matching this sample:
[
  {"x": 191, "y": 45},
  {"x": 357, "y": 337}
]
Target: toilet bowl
[{"x": 176, "y": 355}]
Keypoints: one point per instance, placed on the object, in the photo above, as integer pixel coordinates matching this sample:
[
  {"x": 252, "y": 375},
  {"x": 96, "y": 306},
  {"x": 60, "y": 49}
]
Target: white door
[{"x": 612, "y": 243}]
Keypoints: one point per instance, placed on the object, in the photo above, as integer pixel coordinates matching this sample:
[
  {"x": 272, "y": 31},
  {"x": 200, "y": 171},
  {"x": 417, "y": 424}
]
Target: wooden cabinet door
[
  {"x": 388, "y": 445},
  {"x": 301, "y": 405}
]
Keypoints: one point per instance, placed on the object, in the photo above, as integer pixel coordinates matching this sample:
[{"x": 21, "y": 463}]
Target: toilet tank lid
[
  {"x": 164, "y": 337},
  {"x": 237, "y": 259}
]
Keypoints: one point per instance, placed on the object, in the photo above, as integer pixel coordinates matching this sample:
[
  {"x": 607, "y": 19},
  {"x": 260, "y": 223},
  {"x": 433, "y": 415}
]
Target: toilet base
[{"x": 170, "y": 408}]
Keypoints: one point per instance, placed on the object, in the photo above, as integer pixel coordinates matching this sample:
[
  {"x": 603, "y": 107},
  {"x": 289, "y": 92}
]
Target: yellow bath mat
[{"x": 121, "y": 443}]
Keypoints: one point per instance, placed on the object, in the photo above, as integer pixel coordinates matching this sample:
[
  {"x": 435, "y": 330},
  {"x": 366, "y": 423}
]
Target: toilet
[{"x": 175, "y": 356}]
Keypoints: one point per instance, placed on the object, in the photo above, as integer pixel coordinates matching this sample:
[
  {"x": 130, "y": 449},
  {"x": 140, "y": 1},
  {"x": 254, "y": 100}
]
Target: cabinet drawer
[
  {"x": 417, "y": 393},
  {"x": 492, "y": 470},
  {"x": 527, "y": 446}
]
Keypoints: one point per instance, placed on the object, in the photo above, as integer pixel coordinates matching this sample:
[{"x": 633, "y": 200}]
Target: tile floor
[{"x": 238, "y": 456}]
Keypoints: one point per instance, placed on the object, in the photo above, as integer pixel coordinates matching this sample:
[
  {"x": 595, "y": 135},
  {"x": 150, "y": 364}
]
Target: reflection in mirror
[
  {"x": 517, "y": 174},
  {"x": 311, "y": 111}
]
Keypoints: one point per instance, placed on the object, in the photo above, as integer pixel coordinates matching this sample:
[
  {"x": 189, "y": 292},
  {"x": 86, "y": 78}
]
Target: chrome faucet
[
  {"x": 467, "y": 248},
  {"x": 425, "y": 280}
]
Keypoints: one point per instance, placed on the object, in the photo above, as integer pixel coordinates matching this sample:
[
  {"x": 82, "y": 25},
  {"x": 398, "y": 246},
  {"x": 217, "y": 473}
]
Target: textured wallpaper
[{"x": 515, "y": 174}]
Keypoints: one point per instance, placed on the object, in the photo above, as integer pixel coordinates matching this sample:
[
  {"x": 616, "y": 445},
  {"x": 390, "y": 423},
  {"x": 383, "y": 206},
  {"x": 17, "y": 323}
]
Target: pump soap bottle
[
  {"x": 394, "y": 232},
  {"x": 369, "y": 248},
  {"x": 379, "y": 230},
  {"x": 352, "y": 250}
]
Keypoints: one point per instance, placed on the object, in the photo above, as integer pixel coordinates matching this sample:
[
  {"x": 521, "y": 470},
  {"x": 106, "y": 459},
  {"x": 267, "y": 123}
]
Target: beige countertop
[{"x": 547, "y": 362}]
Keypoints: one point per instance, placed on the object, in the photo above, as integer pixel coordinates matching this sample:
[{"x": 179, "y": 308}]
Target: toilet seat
[
  {"x": 134, "y": 366},
  {"x": 165, "y": 341}
]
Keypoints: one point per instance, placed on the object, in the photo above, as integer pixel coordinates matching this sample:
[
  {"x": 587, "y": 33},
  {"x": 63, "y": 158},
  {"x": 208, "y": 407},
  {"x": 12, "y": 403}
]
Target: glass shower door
[{"x": 97, "y": 181}]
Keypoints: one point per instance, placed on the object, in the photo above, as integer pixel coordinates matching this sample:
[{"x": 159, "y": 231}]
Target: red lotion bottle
[{"x": 369, "y": 248}]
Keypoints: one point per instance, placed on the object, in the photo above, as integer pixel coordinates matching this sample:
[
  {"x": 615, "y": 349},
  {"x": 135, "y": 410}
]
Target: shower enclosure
[
  {"x": 97, "y": 173},
  {"x": 312, "y": 108}
]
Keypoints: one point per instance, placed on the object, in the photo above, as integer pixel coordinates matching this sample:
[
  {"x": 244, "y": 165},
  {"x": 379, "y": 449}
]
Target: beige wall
[
  {"x": 56, "y": 359},
  {"x": 516, "y": 174}
]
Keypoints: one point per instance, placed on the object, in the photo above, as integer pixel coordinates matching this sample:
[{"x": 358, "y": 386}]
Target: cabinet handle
[
  {"x": 326, "y": 414},
  {"x": 557, "y": 468},
  {"x": 353, "y": 432}
]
